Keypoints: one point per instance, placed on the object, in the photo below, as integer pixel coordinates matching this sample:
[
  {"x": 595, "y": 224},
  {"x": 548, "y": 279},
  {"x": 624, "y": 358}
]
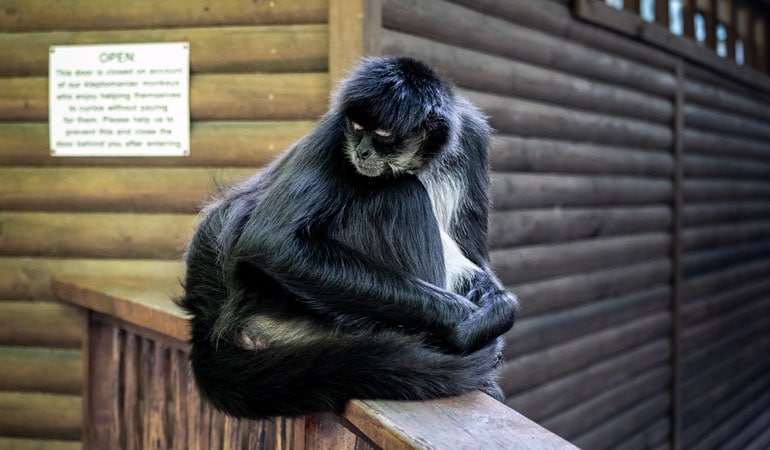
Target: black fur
[{"x": 311, "y": 283}]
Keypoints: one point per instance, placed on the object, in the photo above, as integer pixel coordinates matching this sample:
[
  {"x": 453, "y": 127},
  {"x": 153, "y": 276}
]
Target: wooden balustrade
[{"x": 140, "y": 394}]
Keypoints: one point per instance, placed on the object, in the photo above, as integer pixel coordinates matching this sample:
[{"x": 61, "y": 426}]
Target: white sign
[{"x": 120, "y": 100}]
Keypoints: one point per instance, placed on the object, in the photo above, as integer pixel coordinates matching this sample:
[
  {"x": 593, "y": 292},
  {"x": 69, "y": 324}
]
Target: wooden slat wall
[
  {"x": 726, "y": 265},
  {"x": 582, "y": 188},
  {"x": 259, "y": 80}
]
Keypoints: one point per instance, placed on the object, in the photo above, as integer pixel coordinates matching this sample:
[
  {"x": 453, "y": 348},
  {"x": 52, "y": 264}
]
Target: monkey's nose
[{"x": 365, "y": 154}]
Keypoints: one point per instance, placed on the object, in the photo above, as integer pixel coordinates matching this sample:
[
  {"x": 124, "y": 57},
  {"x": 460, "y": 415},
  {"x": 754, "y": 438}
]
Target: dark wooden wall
[
  {"x": 631, "y": 195},
  {"x": 259, "y": 78}
]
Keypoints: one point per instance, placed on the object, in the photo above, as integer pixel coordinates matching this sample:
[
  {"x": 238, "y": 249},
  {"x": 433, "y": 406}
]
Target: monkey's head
[{"x": 397, "y": 114}]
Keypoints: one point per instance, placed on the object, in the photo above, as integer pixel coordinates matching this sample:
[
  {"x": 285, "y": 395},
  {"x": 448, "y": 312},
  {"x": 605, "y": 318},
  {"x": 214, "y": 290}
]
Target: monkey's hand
[{"x": 496, "y": 313}]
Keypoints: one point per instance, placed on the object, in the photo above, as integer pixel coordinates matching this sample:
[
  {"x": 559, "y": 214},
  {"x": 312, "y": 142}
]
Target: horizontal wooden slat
[
  {"x": 532, "y": 334},
  {"x": 707, "y": 142},
  {"x": 42, "y": 370},
  {"x": 527, "y": 118},
  {"x": 237, "y": 143},
  {"x": 50, "y": 416},
  {"x": 510, "y": 153},
  {"x": 560, "y": 394},
  {"x": 719, "y": 303},
  {"x": 528, "y": 371},
  {"x": 94, "y": 235},
  {"x": 38, "y": 444},
  {"x": 295, "y": 48},
  {"x": 709, "y": 237},
  {"x": 30, "y": 278},
  {"x": 704, "y": 261},
  {"x": 725, "y": 279},
  {"x": 695, "y": 190},
  {"x": 714, "y": 167},
  {"x": 697, "y": 336},
  {"x": 532, "y": 226},
  {"x": 717, "y": 97},
  {"x": 723, "y": 212},
  {"x": 704, "y": 118},
  {"x": 116, "y": 189},
  {"x": 526, "y": 190},
  {"x": 493, "y": 74},
  {"x": 598, "y": 410},
  {"x": 453, "y": 24},
  {"x": 45, "y": 324},
  {"x": 47, "y": 15},
  {"x": 288, "y": 96},
  {"x": 552, "y": 294},
  {"x": 546, "y": 261},
  {"x": 629, "y": 421}
]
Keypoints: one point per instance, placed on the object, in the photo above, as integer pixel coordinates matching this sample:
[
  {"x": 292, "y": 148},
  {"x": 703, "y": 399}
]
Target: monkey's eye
[
  {"x": 382, "y": 133},
  {"x": 356, "y": 126}
]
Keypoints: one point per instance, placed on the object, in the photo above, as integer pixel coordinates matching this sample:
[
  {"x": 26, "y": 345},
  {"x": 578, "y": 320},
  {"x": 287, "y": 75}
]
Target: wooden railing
[{"x": 139, "y": 392}]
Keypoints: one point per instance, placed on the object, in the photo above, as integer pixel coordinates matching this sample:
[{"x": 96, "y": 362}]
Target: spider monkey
[{"x": 355, "y": 265}]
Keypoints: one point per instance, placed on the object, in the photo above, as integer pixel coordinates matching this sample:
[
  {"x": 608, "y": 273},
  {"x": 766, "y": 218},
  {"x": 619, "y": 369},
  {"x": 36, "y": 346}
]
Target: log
[
  {"x": 537, "y": 333},
  {"x": 720, "y": 303},
  {"x": 561, "y": 394},
  {"x": 42, "y": 416},
  {"x": 699, "y": 263},
  {"x": 560, "y": 21},
  {"x": 696, "y": 336},
  {"x": 722, "y": 212},
  {"x": 221, "y": 144},
  {"x": 41, "y": 324},
  {"x": 737, "y": 429},
  {"x": 530, "y": 119},
  {"x": 536, "y": 226},
  {"x": 294, "y": 48},
  {"x": 553, "y": 294},
  {"x": 592, "y": 413},
  {"x": 632, "y": 420},
  {"x": 46, "y": 15},
  {"x": 711, "y": 143},
  {"x": 54, "y": 371},
  {"x": 493, "y": 74},
  {"x": 528, "y": 371},
  {"x": 696, "y": 190},
  {"x": 724, "y": 99},
  {"x": 710, "y": 237},
  {"x": 164, "y": 190},
  {"x": 149, "y": 236},
  {"x": 526, "y": 190},
  {"x": 725, "y": 279},
  {"x": 456, "y": 25},
  {"x": 656, "y": 435},
  {"x": 547, "y": 261},
  {"x": 704, "y": 118},
  {"x": 30, "y": 278},
  {"x": 703, "y": 356},
  {"x": 212, "y": 97},
  {"x": 38, "y": 444},
  {"x": 511, "y": 153},
  {"x": 717, "y": 167}
]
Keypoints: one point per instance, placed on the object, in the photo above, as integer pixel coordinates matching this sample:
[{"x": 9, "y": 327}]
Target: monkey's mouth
[{"x": 369, "y": 168}]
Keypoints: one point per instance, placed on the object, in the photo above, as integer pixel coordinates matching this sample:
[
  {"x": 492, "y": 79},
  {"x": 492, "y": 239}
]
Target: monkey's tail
[{"x": 323, "y": 375}]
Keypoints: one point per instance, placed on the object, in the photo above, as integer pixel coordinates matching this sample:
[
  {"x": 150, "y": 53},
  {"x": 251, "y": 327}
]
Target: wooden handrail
[{"x": 134, "y": 319}]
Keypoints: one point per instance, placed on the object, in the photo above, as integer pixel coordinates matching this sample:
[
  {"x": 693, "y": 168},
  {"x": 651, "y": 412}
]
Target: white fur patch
[{"x": 458, "y": 268}]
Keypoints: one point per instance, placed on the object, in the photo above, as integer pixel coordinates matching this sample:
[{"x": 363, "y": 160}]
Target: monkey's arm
[{"x": 333, "y": 279}]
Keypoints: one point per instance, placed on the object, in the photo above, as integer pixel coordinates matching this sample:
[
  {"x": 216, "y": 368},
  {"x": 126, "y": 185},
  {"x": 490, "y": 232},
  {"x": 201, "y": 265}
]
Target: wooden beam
[{"x": 354, "y": 28}]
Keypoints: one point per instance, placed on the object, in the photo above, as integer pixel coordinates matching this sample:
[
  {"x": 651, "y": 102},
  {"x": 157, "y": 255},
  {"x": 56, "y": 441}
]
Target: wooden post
[
  {"x": 745, "y": 32},
  {"x": 103, "y": 391},
  {"x": 354, "y": 31},
  {"x": 662, "y": 16},
  {"x": 631, "y": 5},
  {"x": 688, "y": 17},
  {"x": 726, "y": 16},
  {"x": 676, "y": 261}
]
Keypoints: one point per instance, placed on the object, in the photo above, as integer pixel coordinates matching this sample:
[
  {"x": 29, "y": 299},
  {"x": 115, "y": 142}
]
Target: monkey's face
[{"x": 376, "y": 152}]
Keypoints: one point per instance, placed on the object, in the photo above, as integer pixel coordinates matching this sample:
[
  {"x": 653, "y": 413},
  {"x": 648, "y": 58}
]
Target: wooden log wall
[
  {"x": 259, "y": 79},
  {"x": 631, "y": 217},
  {"x": 725, "y": 311}
]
